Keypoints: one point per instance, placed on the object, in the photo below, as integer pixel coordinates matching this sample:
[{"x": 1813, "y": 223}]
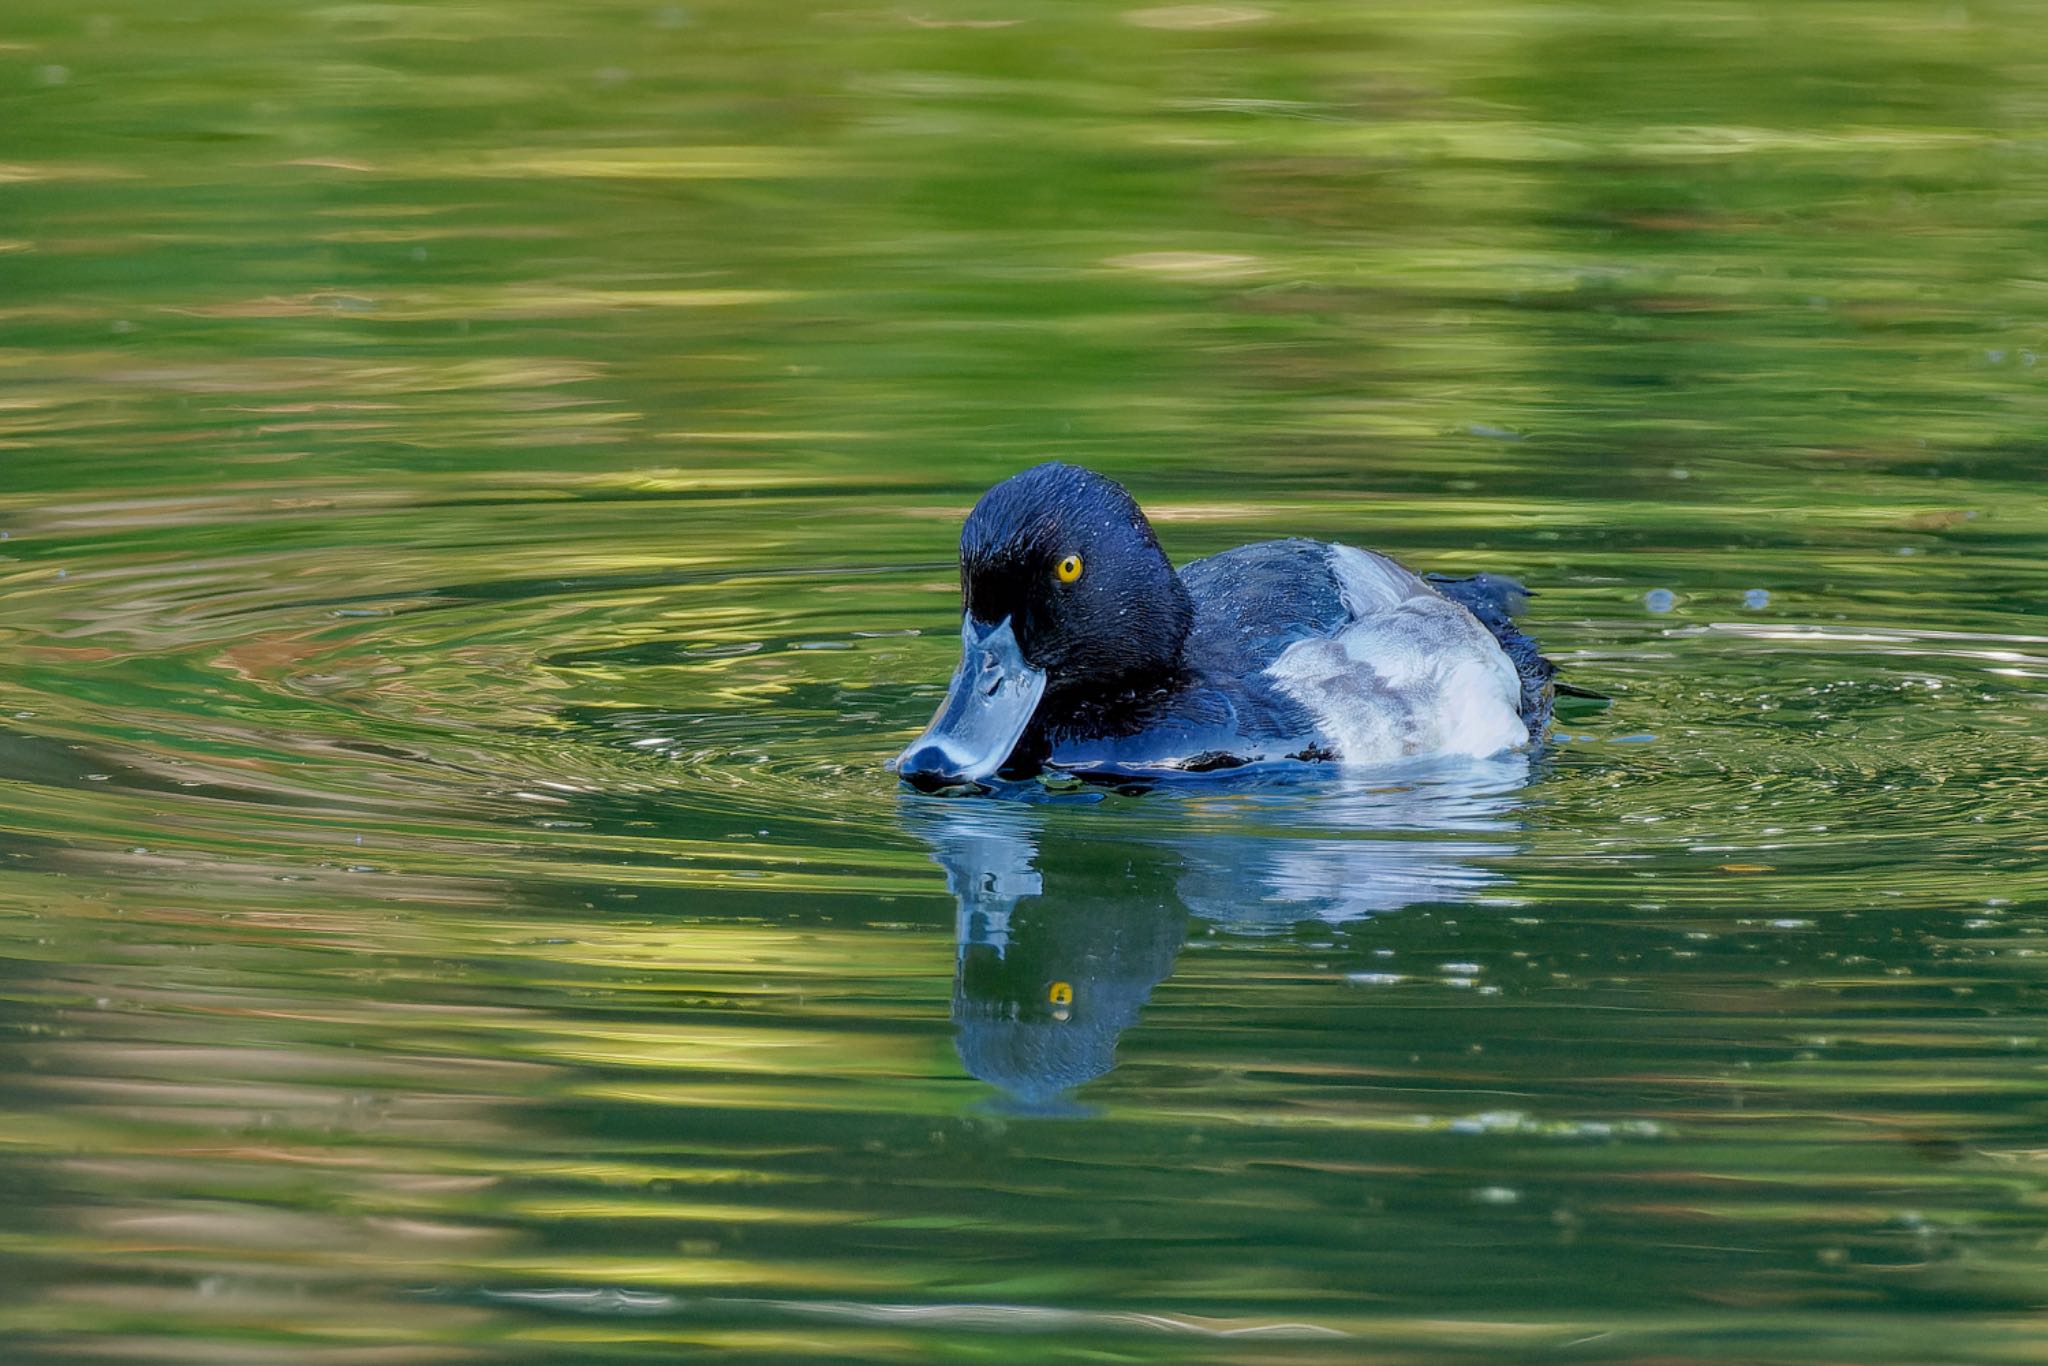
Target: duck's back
[
  {"x": 1255, "y": 602},
  {"x": 1384, "y": 664}
]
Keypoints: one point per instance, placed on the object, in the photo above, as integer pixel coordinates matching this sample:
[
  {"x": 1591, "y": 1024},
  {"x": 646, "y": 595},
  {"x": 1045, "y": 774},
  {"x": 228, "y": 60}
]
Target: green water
[{"x": 479, "y": 485}]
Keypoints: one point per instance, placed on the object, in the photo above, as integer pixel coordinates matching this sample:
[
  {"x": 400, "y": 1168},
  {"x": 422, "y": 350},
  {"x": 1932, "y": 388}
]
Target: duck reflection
[{"x": 1067, "y": 919}]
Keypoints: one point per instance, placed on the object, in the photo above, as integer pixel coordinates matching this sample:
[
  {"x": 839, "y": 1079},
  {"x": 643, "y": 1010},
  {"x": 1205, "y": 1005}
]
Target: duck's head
[{"x": 1067, "y": 599}]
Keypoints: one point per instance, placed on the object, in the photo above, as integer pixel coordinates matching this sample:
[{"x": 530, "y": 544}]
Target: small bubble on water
[
  {"x": 1497, "y": 1195},
  {"x": 52, "y": 74},
  {"x": 1757, "y": 597},
  {"x": 122, "y": 327},
  {"x": 1660, "y": 599},
  {"x": 1995, "y": 356}
]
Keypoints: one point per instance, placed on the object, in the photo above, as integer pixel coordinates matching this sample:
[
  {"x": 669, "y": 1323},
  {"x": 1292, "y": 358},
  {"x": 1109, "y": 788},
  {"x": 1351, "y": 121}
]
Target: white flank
[{"x": 1413, "y": 674}]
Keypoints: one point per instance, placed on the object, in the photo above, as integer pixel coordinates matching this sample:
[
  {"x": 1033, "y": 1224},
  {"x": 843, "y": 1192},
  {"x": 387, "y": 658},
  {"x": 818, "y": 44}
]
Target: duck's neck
[{"x": 1178, "y": 613}]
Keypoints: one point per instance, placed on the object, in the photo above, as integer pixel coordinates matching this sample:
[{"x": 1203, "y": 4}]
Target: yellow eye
[
  {"x": 1060, "y": 994},
  {"x": 1069, "y": 569}
]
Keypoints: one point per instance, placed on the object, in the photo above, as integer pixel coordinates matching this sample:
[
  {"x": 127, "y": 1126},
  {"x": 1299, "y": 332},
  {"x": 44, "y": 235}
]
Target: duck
[{"x": 1085, "y": 655}]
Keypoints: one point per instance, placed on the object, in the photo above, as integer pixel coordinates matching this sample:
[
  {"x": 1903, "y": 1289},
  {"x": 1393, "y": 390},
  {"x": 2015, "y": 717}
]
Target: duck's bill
[{"x": 987, "y": 708}]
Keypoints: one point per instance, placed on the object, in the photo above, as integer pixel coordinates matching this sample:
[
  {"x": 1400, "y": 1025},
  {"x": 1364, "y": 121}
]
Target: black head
[{"x": 1067, "y": 557}]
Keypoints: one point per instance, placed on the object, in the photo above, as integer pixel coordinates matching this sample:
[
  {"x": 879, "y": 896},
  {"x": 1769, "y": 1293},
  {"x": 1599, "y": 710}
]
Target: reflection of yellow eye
[
  {"x": 1069, "y": 569},
  {"x": 1061, "y": 994}
]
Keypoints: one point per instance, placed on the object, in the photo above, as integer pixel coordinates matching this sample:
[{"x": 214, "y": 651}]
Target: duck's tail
[{"x": 1495, "y": 600}]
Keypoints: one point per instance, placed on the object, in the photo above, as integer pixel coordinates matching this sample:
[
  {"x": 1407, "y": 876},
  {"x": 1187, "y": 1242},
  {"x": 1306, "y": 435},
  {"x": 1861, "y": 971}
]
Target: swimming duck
[{"x": 1083, "y": 652}]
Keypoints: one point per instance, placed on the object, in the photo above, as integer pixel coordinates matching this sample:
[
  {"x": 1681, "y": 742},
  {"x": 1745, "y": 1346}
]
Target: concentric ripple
[{"x": 478, "y": 489}]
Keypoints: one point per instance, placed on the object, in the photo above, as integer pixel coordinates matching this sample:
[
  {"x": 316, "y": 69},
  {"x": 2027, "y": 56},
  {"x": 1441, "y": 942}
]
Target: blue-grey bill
[{"x": 987, "y": 707}]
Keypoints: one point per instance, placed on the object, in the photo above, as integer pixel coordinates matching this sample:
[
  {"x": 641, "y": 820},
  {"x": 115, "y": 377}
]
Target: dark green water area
[{"x": 479, "y": 486}]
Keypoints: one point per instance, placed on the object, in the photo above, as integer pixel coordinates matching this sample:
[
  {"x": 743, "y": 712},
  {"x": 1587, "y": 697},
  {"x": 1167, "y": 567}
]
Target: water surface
[{"x": 479, "y": 487}]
